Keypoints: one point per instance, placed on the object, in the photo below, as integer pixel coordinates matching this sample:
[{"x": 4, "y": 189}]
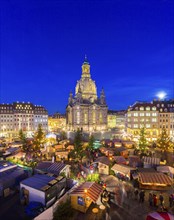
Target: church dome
[
  {"x": 86, "y": 85},
  {"x": 88, "y": 88}
]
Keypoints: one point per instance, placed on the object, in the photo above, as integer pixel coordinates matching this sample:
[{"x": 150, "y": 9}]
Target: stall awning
[
  {"x": 165, "y": 169},
  {"x": 122, "y": 169},
  {"x": 91, "y": 189},
  {"x": 151, "y": 160},
  {"x": 154, "y": 178}
]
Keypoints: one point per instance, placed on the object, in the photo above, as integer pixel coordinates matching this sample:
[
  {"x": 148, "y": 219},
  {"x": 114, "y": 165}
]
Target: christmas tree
[
  {"x": 164, "y": 142},
  {"x": 142, "y": 143}
]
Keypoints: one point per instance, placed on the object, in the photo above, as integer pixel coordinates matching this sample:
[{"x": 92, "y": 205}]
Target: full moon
[{"x": 161, "y": 95}]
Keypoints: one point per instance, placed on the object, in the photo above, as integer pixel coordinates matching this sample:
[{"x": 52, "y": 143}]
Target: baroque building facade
[
  {"x": 85, "y": 111},
  {"x": 153, "y": 116},
  {"x": 21, "y": 115}
]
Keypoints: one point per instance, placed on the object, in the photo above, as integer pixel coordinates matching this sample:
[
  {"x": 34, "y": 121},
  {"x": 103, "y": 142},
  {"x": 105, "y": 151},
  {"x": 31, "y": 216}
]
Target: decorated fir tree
[
  {"x": 91, "y": 142},
  {"x": 142, "y": 143},
  {"x": 164, "y": 142},
  {"x": 22, "y": 136},
  {"x": 39, "y": 138},
  {"x": 78, "y": 152}
]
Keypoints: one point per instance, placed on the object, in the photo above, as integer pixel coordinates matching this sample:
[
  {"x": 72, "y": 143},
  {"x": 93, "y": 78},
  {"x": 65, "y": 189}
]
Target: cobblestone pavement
[
  {"x": 11, "y": 209},
  {"x": 126, "y": 207}
]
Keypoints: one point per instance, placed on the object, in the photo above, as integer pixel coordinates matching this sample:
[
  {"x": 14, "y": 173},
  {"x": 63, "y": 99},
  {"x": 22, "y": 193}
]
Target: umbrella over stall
[{"x": 160, "y": 216}]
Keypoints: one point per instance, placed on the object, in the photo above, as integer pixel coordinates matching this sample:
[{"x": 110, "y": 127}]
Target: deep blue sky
[{"x": 129, "y": 44}]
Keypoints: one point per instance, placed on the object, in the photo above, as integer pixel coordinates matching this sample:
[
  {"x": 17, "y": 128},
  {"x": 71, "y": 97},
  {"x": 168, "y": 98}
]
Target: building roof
[
  {"x": 151, "y": 160},
  {"x": 4, "y": 165},
  {"x": 50, "y": 167},
  {"x": 103, "y": 160},
  {"x": 154, "y": 178},
  {"x": 8, "y": 177},
  {"x": 165, "y": 169},
  {"x": 162, "y": 106},
  {"x": 120, "y": 149},
  {"x": 122, "y": 169},
  {"x": 38, "y": 181},
  {"x": 119, "y": 159},
  {"x": 93, "y": 190}
]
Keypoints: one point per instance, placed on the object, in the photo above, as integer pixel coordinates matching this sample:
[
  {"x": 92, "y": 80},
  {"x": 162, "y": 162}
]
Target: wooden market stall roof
[
  {"x": 91, "y": 189},
  {"x": 165, "y": 169},
  {"x": 119, "y": 159},
  {"x": 154, "y": 178},
  {"x": 122, "y": 169},
  {"x": 103, "y": 159}
]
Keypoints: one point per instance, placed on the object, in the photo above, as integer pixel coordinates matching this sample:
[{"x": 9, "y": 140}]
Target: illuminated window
[
  {"x": 154, "y": 119},
  {"x": 78, "y": 117},
  {"x": 135, "y": 125},
  {"x": 154, "y": 114},
  {"x": 93, "y": 117},
  {"x": 141, "y": 108},
  {"x": 101, "y": 118},
  {"x": 136, "y": 114},
  {"x": 147, "y": 114},
  {"x": 147, "y": 108},
  {"x": 141, "y": 114},
  {"x": 85, "y": 118},
  {"x": 147, "y": 125},
  {"x": 154, "y": 108},
  {"x": 136, "y": 119},
  {"x": 80, "y": 201}
]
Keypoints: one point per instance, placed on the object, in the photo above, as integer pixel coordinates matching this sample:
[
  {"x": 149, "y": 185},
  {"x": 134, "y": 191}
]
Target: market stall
[{"x": 154, "y": 181}]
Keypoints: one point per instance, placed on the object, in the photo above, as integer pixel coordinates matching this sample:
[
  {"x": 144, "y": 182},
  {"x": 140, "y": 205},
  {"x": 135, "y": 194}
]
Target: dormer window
[
  {"x": 141, "y": 108},
  {"x": 148, "y": 108}
]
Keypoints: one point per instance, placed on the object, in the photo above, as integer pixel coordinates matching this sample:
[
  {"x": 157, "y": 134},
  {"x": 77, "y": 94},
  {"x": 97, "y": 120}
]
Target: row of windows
[
  {"x": 164, "y": 115},
  {"x": 20, "y": 116},
  {"x": 141, "y": 126},
  {"x": 6, "y": 107},
  {"x": 136, "y": 114},
  {"x": 147, "y": 108},
  {"x": 148, "y": 126},
  {"x": 164, "y": 120},
  {"x": 143, "y": 119}
]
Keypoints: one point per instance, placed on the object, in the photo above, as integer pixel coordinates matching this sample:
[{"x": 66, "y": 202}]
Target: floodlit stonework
[{"x": 85, "y": 110}]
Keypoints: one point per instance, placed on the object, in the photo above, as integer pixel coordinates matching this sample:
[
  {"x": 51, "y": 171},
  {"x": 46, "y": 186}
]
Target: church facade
[{"x": 85, "y": 111}]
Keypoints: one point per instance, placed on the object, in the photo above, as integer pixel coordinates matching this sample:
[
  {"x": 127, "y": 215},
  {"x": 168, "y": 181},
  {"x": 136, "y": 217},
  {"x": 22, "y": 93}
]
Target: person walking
[
  {"x": 136, "y": 194},
  {"x": 154, "y": 200},
  {"x": 171, "y": 200},
  {"x": 161, "y": 199},
  {"x": 143, "y": 195},
  {"x": 150, "y": 199}
]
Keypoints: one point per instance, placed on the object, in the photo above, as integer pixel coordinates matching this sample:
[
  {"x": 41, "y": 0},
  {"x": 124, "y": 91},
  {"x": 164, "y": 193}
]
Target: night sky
[{"x": 129, "y": 45}]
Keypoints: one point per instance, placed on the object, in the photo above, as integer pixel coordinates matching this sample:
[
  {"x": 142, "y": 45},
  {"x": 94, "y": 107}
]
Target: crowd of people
[
  {"x": 156, "y": 200},
  {"x": 153, "y": 199}
]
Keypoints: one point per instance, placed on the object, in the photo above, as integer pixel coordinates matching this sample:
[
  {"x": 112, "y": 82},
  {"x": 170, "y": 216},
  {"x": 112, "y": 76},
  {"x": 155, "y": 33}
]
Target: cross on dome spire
[{"x": 86, "y": 60}]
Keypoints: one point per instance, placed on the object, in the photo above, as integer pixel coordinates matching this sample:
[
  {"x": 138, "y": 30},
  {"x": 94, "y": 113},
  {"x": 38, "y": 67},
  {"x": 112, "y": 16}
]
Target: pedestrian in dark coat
[
  {"x": 141, "y": 196},
  {"x": 171, "y": 200},
  {"x": 161, "y": 199},
  {"x": 136, "y": 194},
  {"x": 150, "y": 199}
]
